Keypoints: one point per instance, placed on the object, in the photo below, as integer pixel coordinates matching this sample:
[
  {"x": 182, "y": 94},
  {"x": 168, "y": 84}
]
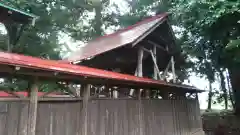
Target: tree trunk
[
  {"x": 230, "y": 92},
  {"x": 210, "y": 94},
  {"x": 223, "y": 88},
  {"x": 98, "y": 19},
  {"x": 14, "y": 32},
  {"x": 235, "y": 77}
]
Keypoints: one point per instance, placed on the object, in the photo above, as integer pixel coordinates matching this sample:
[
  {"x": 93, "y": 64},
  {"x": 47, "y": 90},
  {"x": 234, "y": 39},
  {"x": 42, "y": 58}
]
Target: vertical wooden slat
[
  {"x": 23, "y": 121},
  {"x": 32, "y": 113},
  {"x": 86, "y": 95},
  {"x": 107, "y": 117},
  {"x": 140, "y": 74}
]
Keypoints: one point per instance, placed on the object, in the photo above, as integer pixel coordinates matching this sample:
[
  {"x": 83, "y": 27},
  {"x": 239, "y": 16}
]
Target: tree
[
  {"x": 55, "y": 17},
  {"x": 42, "y": 39},
  {"x": 210, "y": 25}
]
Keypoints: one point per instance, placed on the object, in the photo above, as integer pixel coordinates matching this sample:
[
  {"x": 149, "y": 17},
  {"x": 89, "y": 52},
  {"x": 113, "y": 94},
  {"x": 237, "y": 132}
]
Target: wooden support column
[
  {"x": 173, "y": 69},
  {"x": 155, "y": 64},
  {"x": 155, "y": 73},
  {"x": 86, "y": 96},
  {"x": 140, "y": 62},
  {"x": 140, "y": 74},
  {"x": 166, "y": 70},
  {"x": 147, "y": 93},
  {"x": 33, "y": 103},
  {"x": 115, "y": 93},
  {"x": 139, "y": 69},
  {"x": 140, "y": 111}
]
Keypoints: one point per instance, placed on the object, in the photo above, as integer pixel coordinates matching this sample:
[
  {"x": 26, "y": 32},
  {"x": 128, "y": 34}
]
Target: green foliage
[
  {"x": 139, "y": 9},
  {"x": 233, "y": 44},
  {"x": 54, "y": 16},
  {"x": 41, "y": 40},
  {"x": 211, "y": 31}
]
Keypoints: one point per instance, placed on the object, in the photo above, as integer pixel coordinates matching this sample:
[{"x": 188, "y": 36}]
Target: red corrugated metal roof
[
  {"x": 23, "y": 93},
  {"x": 75, "y": 70},
  {"x": 117, "y": 39}
]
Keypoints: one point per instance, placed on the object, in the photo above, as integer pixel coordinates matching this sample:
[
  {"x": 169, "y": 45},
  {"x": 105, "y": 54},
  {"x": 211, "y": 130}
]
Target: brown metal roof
[{"x": 117, "y": 39}]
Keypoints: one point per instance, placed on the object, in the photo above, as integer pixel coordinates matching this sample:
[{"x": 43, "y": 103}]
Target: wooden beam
[
  {"x": 86, "y": 96},
  {"x": 173, "y": 69},
  {"x": 166, "y": 70},
  {"x": 139, "y": 91},
  {"x": 115, "y": 94},
  {"x": 155, "y": 64},
  {"x": 140, "y": 62},
  {"x": 132, "y": 90},
  {"x": 147, "y": 93},
  {"x": 46, "y": 93},
  {"x": 33, "y": 103},
  {"x": 59, "y": 99},
  {"x": 14, "y": 94},
  {"x": 44, "y": 99},
  {"x": 6, "y": 99},
  {"x": 146, "y": 50},
  {"x": 157, "y": 45},
  {"x": 155, "y": 70}
]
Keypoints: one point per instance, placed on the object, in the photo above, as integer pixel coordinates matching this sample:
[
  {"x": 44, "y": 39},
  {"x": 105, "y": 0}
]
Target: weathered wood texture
[
  {"x": 32, "y": 112},
  {"x": 105, "y": 117}
]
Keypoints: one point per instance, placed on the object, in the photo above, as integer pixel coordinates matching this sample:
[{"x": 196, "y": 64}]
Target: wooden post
[
  {"x": 140, "y": 63},
  {"x": 32, "y": 112},
  {"x": 140, "y": 112},
  {"x": 155, "y": 64},
  {"x": 147, "y": 93},
  {"x": 140, "y": 74},
  {"x": 173, "y": 69},
  {"x": 86, "y": 96},
  {"x": 155, "y": 74},
  {"x": 115, "y": 93},
  {"x": 139, "y": 69},
  {"x": 166, "y": 70},
  {"x": 132, "y": 90}
]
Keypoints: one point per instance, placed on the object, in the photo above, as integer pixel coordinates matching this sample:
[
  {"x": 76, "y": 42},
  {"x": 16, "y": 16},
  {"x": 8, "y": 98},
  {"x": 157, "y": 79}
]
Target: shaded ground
[{"x": 222, "y": 122}]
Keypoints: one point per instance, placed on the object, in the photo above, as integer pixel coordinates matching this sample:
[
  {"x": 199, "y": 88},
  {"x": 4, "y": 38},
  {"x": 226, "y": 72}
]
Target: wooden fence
[{"x": 104, "y": 117}]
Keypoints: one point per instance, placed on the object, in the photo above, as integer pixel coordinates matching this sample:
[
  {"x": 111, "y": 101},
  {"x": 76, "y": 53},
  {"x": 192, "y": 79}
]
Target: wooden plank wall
[{"x": 105, "y": 117}]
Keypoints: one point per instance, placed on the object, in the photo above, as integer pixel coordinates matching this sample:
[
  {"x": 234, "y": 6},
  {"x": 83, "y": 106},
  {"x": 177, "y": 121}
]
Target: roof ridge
[{"x": 143, "y": 21}]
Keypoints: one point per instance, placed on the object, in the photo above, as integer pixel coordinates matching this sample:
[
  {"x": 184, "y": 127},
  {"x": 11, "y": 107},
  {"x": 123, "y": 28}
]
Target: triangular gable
[{"x": 120, "y": 38}]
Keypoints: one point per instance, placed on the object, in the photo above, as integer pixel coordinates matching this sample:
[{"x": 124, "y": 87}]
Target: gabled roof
[
  {"x": 118, "y": 39},
  {"x": 30, "y": 66},
  {"x": 14, "y": 14}
]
